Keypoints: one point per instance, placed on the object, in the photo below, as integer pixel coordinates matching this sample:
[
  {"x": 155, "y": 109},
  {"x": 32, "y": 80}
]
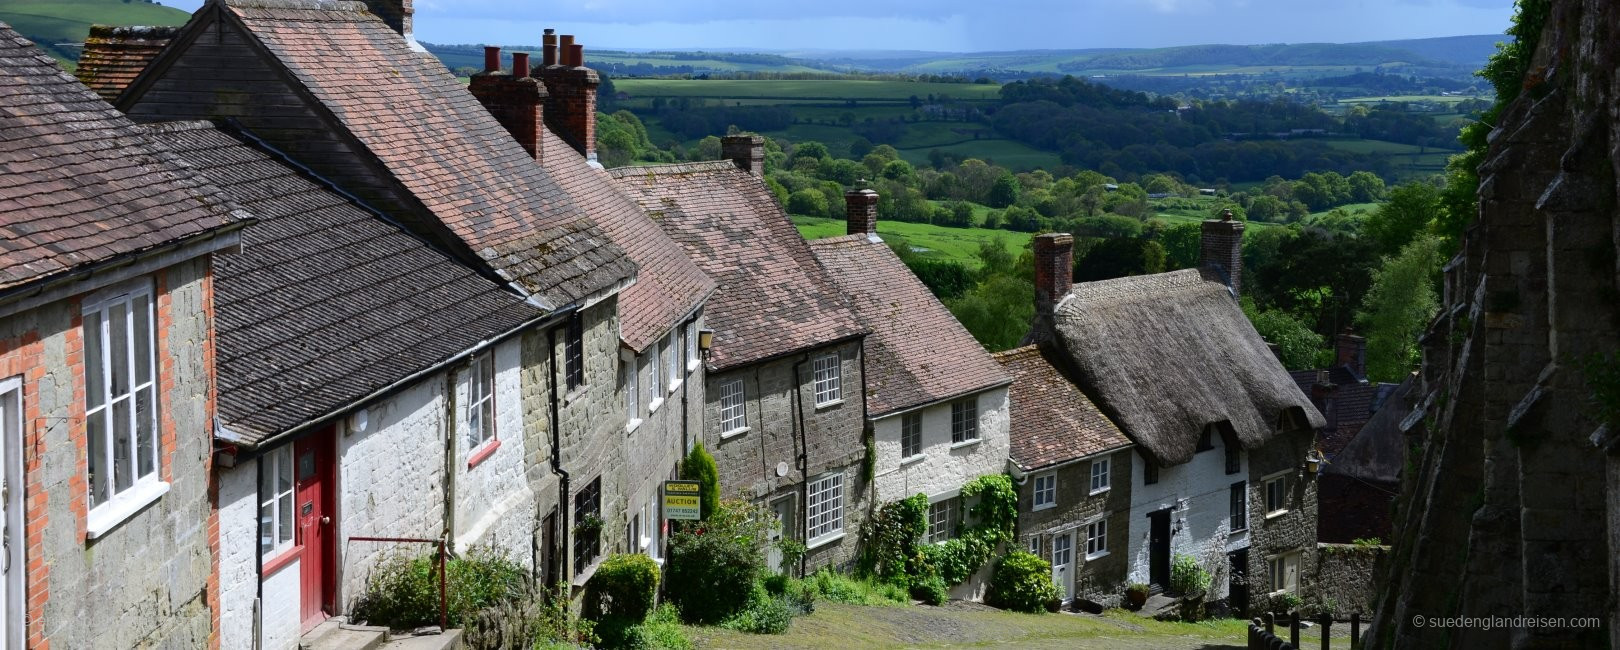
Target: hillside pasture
[
  {"x": 939, "y": 242},
  {"x": 55, "y": 24}
]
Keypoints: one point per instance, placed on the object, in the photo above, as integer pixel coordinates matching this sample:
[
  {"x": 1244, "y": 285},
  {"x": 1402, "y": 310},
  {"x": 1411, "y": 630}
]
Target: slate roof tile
[
  {"x": 1051, "y": 421},
  {"x": 114, "y": 56}
]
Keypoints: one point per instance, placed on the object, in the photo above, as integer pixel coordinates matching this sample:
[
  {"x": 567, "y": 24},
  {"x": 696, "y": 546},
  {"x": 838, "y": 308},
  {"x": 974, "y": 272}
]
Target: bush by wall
[
  {"x": 1186, "y": 577},
  {"x": 1022, "y": 582},
  {"x": 403, "y": 591},
  {"x": 713, "y": 563},
  {"x": 699, "y": 466},
  {"x": 624, "y": 586},
  {"x": 893, "y": 549}
]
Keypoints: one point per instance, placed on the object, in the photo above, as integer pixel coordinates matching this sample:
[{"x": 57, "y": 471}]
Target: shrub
[
  {"x": 624, "y": 587},
  {"x": 558, "y": 625},
  {"x": 840, "y": 588},
  {"x": 765, "y": 614},
  {"x": 800, "y": 594},
  {"x": 1022, "y": 582},
  {"x": 706, "y": 561},
  {"x": 403, "y": 591},
  {"x": 699, "y": 466},
  {"x": 931, "y": 590},
  {"x": 1187, "y": 577},
  {"x": 891, "y": 538}
]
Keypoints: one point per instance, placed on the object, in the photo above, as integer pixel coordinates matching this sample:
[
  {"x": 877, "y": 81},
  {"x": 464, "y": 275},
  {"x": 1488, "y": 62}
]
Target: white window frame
[
  {"x": 1282, "y": 581},
  {"x": 1033, "y": 544},
  {"x": 672, "y": 360},
  {"x": 733, "y": 407},
  {"x": 276, "y": 506},
  {"x": 1066, "y": 552},
  {"x": 101, "y": 404},
  {"x": 1279, "y": 480},
  {"x": 691, "y": 347},
  {"x": 649, "y": 363},
  {"x": 1048, "y": 491},
  {"x": 1102, "y": 477},
  {"x": 482, "y": 425},
  {"x": 944, "y": 516},
  {"x": 911, "y": 435},
  {"x": 965, "y": 425},
  {"x": 824, "y": 511},
  {"x": 829, "y": 387},
  {"x": 1096, "y": 538},
  {"x": 632, "y": 392}
]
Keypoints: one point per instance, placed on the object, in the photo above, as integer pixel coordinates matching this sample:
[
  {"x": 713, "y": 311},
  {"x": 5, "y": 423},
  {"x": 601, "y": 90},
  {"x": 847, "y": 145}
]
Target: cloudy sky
[{"x": 947, "y": 25}]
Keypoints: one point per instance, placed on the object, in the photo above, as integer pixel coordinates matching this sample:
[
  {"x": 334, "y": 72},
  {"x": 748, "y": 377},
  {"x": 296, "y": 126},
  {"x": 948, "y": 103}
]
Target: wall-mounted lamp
[
  {"x": 705, "y": 340},
  {"x": 225, "y": 456},
  {"x": 1313, "y": 461}
]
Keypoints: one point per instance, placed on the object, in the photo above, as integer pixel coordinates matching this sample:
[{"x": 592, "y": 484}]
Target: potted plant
[{"x": 1136, "y": 595}]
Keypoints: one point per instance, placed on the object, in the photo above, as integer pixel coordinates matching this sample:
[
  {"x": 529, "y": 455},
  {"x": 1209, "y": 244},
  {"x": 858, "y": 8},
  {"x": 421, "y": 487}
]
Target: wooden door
[
  {"x": 1063, "y": 563},
  {"x": 314, "y": 467},
  {"x": 1238, "y": 585},
  {"x": 783, "y": 508},
  {"x": 1159, "y": 548}
]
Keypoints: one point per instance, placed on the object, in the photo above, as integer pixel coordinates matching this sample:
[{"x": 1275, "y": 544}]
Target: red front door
[{"x": 315, "y": 531}]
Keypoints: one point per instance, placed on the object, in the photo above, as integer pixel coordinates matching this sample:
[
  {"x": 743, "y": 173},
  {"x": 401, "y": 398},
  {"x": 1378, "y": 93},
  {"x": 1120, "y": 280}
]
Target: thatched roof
[{"x": 1168, "y": 354}]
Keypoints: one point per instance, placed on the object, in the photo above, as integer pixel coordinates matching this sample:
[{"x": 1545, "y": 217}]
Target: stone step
[
  {"x": 337, "y": 634},
  {"x": 448, "y": 640}
]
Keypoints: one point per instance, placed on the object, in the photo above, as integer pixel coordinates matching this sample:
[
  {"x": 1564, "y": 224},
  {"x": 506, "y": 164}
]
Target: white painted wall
[
  {"x": 238, "y": 542},
  {"x": 390, "y": 480},
  {"x": 943, "y": 467},
  {"x": 1200, "y": 492},
  {"x": 494, "y": 505},
  {"x": 282, "y": 624}
]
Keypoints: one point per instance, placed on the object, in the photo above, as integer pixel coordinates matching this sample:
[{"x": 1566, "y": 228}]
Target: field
[
  {"x": 1408, "y": 160},
  {"x": 800, "y": 91},
  {"x": 955, "y": 244},
  {"x": 54, "y": 24}
]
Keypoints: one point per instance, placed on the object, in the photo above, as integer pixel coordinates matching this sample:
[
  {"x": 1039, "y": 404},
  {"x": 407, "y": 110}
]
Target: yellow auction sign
[{"x": 683, "y": 500}]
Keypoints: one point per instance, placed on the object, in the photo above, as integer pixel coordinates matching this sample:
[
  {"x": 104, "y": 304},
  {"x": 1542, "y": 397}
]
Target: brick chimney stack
[
  {"x": 745, "y": 151},
  {"x": 1221, "y": 247},
  {"x": 397, "y": 13},
  {"x": 1352, "y": 352},
  {"x": 861, "y": 212},
  {"x": 1054, "y": 275},
  {"x": 516, "y": 100},
  {"x": 1322, "y": 399},
  {"x": 571, "y": 93}
]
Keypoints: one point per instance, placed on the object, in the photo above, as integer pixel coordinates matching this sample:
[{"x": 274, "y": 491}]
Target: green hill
[{"x": 60, "y": 26}]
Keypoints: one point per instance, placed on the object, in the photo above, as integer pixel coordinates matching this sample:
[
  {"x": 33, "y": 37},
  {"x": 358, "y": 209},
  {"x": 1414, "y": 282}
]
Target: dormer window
[{"x": 1206, "y": 441}]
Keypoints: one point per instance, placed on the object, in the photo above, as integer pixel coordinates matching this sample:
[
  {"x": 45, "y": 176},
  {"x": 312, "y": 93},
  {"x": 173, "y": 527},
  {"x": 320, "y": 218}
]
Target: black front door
[
  {"x": 1238, "y": 592},
  {"x": 1159, "y": 549}
]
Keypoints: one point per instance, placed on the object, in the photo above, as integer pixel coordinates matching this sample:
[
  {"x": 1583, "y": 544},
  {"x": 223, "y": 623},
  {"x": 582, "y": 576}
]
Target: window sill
[
  {"x": 824, "y": 540},
  {"x": 691, "y": 365},
  {"x": 1100, "y": 491},
  {"x": 1096, "y": 556},
  {"x": 964, "y": 444},
  {"x": 1275, "y": 514},
  {"x": 1044, "y": 506},
  {"x": 589, "y": 571},
  {"x": 484, "y": 453},
  {"x": 914, "y": 458},
  {"x": 110, "y": 515},
  {"x": 823, "y": 405},
  {"x": 631, "y": 426},
  {"x": 675, "y": 385},
  {"x": 574, "y": 394},
  {"x": 280, "y": 561},
  {"x": 727, "y": 435},
  {"x": 653, "y": 407},
  {"x": 1237, "y": 531}
]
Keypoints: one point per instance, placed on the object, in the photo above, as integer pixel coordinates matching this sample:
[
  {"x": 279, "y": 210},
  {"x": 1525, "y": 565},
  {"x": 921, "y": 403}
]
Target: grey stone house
[
  {"x": 785, "y": 409},
  {"x": 936, "y": 403},
  {"x": 1225, "y": 469},
  {"x": 1073, "y": 470},
  {"x": 106, "y": 356}
]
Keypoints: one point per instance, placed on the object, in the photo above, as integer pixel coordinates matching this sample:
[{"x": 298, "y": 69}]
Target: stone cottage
[
  {"x": 936, "y": 403},
  {"x": 1224, "y": 471},
  {"x": 1073, "y": 468},
  {"x": 785, "y": 409},
  {"x": 106, "y": 371}
]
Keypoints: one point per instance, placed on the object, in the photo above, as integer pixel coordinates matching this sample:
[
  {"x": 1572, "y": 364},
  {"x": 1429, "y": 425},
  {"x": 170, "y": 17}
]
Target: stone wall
[
  {"x": 1505, "y": 514},
  {"x": 1292, "y": 531},
  {"x": 1343, "y": 578},
  {"x": 1103, "y": 577},
  {"x": 654, "y": 449},
  {"x": 494, "y": 506}
]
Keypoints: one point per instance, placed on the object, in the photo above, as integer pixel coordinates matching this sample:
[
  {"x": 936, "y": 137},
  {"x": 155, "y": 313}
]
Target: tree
[
  {"x": 1181, "y": 244},
  {"x": 1409, "y": 211},
  {"x": 812, "y": 149},
  {"x": 1297, "y": 345},
  {"x": 699, "y": 466},
  {"x": 1004, "y": 192},
  {"x": 1365, "y": 187},
  {"x": 1397, "y": 308},
  {"x": 808, "y": 202}
]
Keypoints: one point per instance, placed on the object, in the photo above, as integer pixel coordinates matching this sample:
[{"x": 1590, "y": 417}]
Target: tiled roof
[
  {"x": 79, "y": 183},
  {"x": 327, "y": 302},
  {"x": 433, "y": 136},
  {"x": 114, "y": 56},
  {"x": 774, "y": 298},
  {"x": 1354, "y": 400},
  {"x": 668, "y": 284},
  {"x": 1051, "y": 420},
  {"x": 917, "y": 352}
]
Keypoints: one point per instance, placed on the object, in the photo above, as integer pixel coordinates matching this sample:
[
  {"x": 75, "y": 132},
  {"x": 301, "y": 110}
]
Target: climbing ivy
[{"x": 893, "y": 537}]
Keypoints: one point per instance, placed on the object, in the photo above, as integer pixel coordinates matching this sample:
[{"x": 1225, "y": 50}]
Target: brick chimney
[
  {"x": 516, "y": 100},
  {"x": 1322, "y": 399},
  {"x": 746, "y": 151},
  {"x": 1352, "y": 352},
  {"x": 1221, "y": 246},
  {"x": 397, "y": 13},
  {"x": 571, "y": 92},
  {"x": 861, "y": 212},
  {"x": 1054, "y": 274}
]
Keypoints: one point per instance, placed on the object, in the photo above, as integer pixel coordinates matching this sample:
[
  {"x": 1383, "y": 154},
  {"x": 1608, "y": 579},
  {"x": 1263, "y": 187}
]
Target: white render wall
[
  {"x": 238, "y": 541},
  {"x": 1200, "y": 492},
  {"x": 494, "y": 504},
  {"x": 943, "y": 468},
  {"x": 283, "y": 622},
  {"x": 390, "y": 480}
]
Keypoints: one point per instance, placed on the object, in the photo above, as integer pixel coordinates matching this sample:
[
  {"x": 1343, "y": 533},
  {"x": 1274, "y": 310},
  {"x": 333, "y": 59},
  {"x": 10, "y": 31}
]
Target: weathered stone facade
[
  {"x": 1293, "y": 531},
  {"x": 761, "y": 462},
  {"x": 1505, "y": 513},
  {"x": 654, "y": 449},
  {"x": 1100, "y": 579},
  {"x": 148, "y": 580},
  {"x": 1343, "y": 578}
]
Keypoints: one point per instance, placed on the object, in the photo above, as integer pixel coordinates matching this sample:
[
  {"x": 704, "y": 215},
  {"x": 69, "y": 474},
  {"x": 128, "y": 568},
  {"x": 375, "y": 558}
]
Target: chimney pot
[
  {"x": 565, "y": 43},
  {"x": 860, "y": 212},
  {"x": 492, "y": 58},
  {"x": 571, "y": 98},
  {"x": 576, "y": 55},
  {"x": 520, "y": 65},
  {"x": 747, "y": 152},
  {"x": 549, "y": 49}
]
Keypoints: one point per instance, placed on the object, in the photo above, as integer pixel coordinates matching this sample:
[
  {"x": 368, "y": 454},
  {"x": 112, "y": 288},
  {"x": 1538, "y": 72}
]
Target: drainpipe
[
  {"x": 450, "y": 455},
  {"x": 560, "y": 539},
  {"x": 258, "y": 556},
  {"x": 804, "y": 455}
]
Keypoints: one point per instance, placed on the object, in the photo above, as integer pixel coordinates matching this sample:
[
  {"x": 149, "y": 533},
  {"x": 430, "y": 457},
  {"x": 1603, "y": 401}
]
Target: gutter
[
  {"x": 561, "y": 540},
  {"x": 1019, "y": 473}
]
